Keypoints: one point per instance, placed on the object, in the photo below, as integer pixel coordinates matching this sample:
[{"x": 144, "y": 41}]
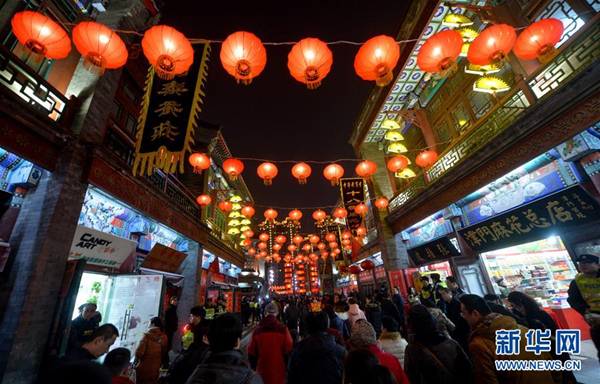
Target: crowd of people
[{"x": 442, "y": 334}]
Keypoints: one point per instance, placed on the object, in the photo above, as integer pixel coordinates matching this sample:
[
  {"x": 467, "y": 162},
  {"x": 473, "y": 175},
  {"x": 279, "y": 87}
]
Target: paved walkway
[{"x": 590, "y": 368}]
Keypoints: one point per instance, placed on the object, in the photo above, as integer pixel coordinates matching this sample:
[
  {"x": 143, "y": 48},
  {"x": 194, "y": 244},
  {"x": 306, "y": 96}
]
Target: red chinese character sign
[
  {"x": 534, "y": 221},
  {"x": 169, "y": 116}
]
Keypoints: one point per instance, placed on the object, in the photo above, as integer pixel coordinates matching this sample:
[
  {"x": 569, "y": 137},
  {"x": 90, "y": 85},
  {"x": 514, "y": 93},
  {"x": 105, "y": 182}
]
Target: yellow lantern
[
  {"x": 245, "y": 222},
  {"x": 396, "y": 148},
  {"x": 244, "y": 228},
  {"x": 406, "y": 173},
  {"x": 236, "y": 207},
  {"x": 468, "y": 34},
  {"x": 490, "y": 84},
  {"x": 233, "y": 231},
  {"x": 455, "y": 20},
  {"x": 390, "y": 124},
  {"x": 235, "y": 199},
  {"x": 234, "y": 215},
  {"x": 234, "y": 223},
  {"x": 393, "y": 136},
  {"x": 481, "y": 70}
]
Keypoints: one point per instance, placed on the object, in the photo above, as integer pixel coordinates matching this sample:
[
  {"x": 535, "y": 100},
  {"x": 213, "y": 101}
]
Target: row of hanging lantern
[{"x": 244, "y": 56}]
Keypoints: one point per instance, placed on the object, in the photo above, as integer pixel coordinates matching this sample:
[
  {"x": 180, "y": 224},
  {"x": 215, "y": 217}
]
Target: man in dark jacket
[
  {"x": 336, "y": 323},
  {"x": 495, "y": 304},
  {"x": 98, "y": 344},
  {"x": 373, "y": 313},
  {"x": 225, "y": 365},
  {"x": 171, "y": 325},
  {"x": 82, "y": 326},
  {"x": 186, "y": 362},
  {"x": 399, "y": 303},
  {"x": 317, "y": 359},
  {"x": 292, "y": 316},
  {"x": 462, "y": 330},
  {"x": 389, "y": 309},
  {"x": 269, "y": 347}
]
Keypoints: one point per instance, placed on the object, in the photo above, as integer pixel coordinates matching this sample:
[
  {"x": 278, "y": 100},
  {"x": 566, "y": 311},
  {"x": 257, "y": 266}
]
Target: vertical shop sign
[
  {"x": 169, "y": 116},
  {"x": 353, "y": 193},
  {"x": 203, "y": 279},
  {"x": 537, "y": 220},
  {"x": 228, "y": 301}
]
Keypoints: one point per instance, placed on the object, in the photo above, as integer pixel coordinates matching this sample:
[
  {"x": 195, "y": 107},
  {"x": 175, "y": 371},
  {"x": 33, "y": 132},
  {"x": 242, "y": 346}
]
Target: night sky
[{"x": 277, "y": 117}]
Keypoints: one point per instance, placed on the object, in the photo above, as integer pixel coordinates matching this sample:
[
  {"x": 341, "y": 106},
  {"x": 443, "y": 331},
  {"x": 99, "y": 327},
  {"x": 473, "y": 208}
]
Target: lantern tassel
[
  {"x": 547, "y": 53},
  {"x": 31, "y": 50},
  {"x": 94, "y": 63},
  {"x": 385, "y": 79},
  {"x": 313, "y": 84},
  {"x": 302, "y": 181},
  {"x": 233, "y": 176},
  {"x": 244, "y": 81},
  {"x": 268, "y": 182}
]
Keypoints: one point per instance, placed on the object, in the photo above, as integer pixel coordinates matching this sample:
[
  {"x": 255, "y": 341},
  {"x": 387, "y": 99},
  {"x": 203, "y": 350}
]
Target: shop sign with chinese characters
[
  {"x": 436, "y": 250},
  {"x": 537, "y": 220},
  {"x": 353, "y": 193}
]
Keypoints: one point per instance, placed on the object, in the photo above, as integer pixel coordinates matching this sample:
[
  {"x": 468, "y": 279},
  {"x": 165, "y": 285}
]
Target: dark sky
[{"x": 277, "y": 117}]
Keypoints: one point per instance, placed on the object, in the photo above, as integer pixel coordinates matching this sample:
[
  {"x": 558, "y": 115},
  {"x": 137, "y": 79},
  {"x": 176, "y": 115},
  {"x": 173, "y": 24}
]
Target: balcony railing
[
  {"x": 32, "y": 88},
  {"x": 577, "y": 54}
]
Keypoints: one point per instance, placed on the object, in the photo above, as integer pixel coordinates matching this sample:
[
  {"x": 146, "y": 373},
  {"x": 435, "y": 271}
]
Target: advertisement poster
[
  {"x": 238, "y": 302},
  {"x": 203, "y": 278},
  {"x": 100, "y": 248},
  {"x": 228, "y": 301}
]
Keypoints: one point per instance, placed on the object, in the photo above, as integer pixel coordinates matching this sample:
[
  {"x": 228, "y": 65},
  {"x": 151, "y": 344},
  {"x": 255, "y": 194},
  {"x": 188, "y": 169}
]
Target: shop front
[{"x": 221, "y": 282}]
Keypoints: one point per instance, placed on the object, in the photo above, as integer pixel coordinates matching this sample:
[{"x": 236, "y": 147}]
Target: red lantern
[
  {"x": 382, "y": 203},
  {"x": 376, "y": 60},
  {"x": 100, "y": 46},
  {"x": 225, "y": 206},
  {"x": 367, "y": 265},
  {"x": 366, "y": 169},
  {"x": 439, "y": 52},
  {"x": 263, "y": 237},
  {"x": 319, "y": 215},
  {"x": 426, "y": 159},
  {"x": 40, "y": 36},
  {"x": 354, "y": 269},
  {"x": 333, "y": 173},
  {"x": 168, "y": 51},
  {"x": 492, "y": 45},
  {"x": 287, "y": 258},
  {"x": 248, "y": 233},
  {"x": 233, "y": 167},
  {"x": 280, "y": 239},
  {"x": 539, "y": 40},
  {"x": 248, "y": 211},
  {"x": 270, "y": 214},
  {"x": 306, "y": 247},
  {"x": 361, "y": 231},
  {"x": 247, "y": 243},
  {"x": 335, "y": 251},
  {"x": 199, "y": 161},
  {"x": 277, "y": 247},
  {"x": 295, "y": 215},
  {"x": 310, "y": 61},
  {"x": 267, "y": 171},
  {"x": 297, "y": 239},
  {"x": 268, "y": 259},
  {"x": 346, "y": 235},
  {"x": 291, "y": 248},
  {"x": 301, "y": 171},
  {"x": 324, "y": 255},
  {"x": 333, "y": 245},
  {"x": 314, "y": 239},
  {"x": 348, "y": 247},
  {"x": 340, "y": 213},
  {"x": 252, "y": 251},
  {"x": 361, "y": 209},
  {"x": 346, "y": 241},
  {"x": 321, "y": 246},
  {"x": 313, "y": 257},
  {"x": 203, "y": 200},
  {"x": 262, "y": 245},
  {"x": 330, "y": 237},
  {"x": 397, "y": 163},
  {"x": 243, "y": 56},
  {"x": 263, "y": 253}
]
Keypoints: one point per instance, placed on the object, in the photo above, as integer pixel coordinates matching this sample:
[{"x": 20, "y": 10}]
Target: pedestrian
[
  {"x": 388, "y": 308},
  {"x": 245, "y": 311},
  {"x": 82, "y": 326},
  {"x": 444, "y": 324},
  {"x": 292, "y": 316},
  {"x": 304, "y": 312},
  {"x": 270, "y": 347},
  {"x": 482, "y": 344},
  {"x": 253, "y": 310},
  {"x": 317, "y": 359},
  {"x": 225, "y": 365},
  {"x": 184, "y": 364},
  {"x": 117, "y": 362},
  {"x": 391, "y": 340},
  {"x": 454, "y": 287},
  {"x": 495, "y": 303},
  {"x": 354, "y": 312},
  {"x": 335, "y": 322},
  {"x": 462, "y": 330},
  {"x": 398, "y": 301},
  {"x": 363, "y": 336},
  {"x": 97, "y": 345},
  {"x": 149, "y": 353},
  {"x": 433, "y": 357},
  {"x": 584, "y": 294},
  {"x": 427, "y": 289},
  {"x": 363, "y": 367},
  {"x": 197, "y": 315},
  {"x": 373, "y": 314},
  {"x": 171, "y": 325}
]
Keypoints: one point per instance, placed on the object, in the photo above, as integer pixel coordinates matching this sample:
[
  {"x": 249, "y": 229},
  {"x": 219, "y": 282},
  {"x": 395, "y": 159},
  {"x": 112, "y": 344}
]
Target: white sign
[{"x": 100, "y": 248}]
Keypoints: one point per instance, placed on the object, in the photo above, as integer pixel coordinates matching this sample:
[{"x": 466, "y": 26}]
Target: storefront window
[{"x": 542, "y": 269}]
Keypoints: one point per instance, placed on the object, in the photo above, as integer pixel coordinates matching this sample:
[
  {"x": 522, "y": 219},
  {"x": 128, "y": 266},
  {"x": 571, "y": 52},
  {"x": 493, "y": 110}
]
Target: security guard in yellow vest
[
  {"x": 197, "y": 314},
  {"x": 584, "y": 294},
  {"x": 209, "y": 309}
]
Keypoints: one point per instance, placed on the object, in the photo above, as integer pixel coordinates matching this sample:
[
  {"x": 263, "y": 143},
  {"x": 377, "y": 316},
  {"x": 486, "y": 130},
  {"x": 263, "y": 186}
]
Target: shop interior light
[
  {"x": 390, "y": 124},
  {"x": 481, "y": 70},
  {"x": 396, "y": 148},
  {"x": 393, "y": 135},
  {"x": 406, "y": 173},
  {"x": 490, "y": 84},
  {"x": 455, "y": 20}
]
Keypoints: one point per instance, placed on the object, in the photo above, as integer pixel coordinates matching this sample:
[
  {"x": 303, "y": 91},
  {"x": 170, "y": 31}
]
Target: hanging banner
[
  {"x": 534, "y": 221},
  {"x": 169, "y": 116},
  {"x": 100, "y": 248},
  {"x": 436, "y": 250},
  {"x": 353, "y": 193}
]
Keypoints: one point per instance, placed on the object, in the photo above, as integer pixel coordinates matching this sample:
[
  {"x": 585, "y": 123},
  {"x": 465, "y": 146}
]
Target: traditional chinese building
[{"x": 511, "y": 199}]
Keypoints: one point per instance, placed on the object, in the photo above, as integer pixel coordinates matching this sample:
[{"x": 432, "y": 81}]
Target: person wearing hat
[
  {"x": 197, "y": 314},
  {"x": 269, "y": 347},
  {"x": 584, "y": 294}
]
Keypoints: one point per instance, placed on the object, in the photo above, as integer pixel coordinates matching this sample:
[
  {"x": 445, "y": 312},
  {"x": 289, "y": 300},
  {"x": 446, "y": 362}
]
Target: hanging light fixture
[
  {"x": 233, "y": 167},
  {"x": 301, "y": 171},
  {"x": 390, "y": 124},
  {"x": 439, "y": 53},
  {"x": 382, "y": 203},
  {"x": 319, "y": 215},
  {"x": 168, "y": 51},
  {"x": 396, "y": 148},
  {"x": 397, "y": 163},
  {"x": 456, "y": 20},
  {"x": 225, "y": 206},
  {"x": 406, "y": 173},
  {"x": 248, "y": 211},
  {"x": 376, "y": 60},
  {"x": 295, "y": 215},
  {"x": 426, "y": 159},
  {"x": 340, "y": 213},
  {"x": 366, "y": 169},
  {"x": 361, "y": 208},
  {"x": 393, "y": 135},
  {"x": 490, "y": 84},
  {"x": 243, "y": 56},
  {"x": 310, "y": 61},
  {"x": 200, "y": 162},
  {"x": 493, "y": 45},
  {"x": 100, "y": 46},
  {"x": 333, "y": 173},
  {"x": 40, "y": 36},
  {"x": 270, "y": 214},
  {"x": 267, "y": 171},
  {"x": 481, "y": 70},
  {"x": 203, "y": 200},
  {"x": 539, "y": 40}
]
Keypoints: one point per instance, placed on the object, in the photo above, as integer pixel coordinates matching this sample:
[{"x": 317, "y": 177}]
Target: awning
[
  {"x": 176, "y": 280},
  {"x": 163, "y": 258},
  {"x": 100, "y": 248}
]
